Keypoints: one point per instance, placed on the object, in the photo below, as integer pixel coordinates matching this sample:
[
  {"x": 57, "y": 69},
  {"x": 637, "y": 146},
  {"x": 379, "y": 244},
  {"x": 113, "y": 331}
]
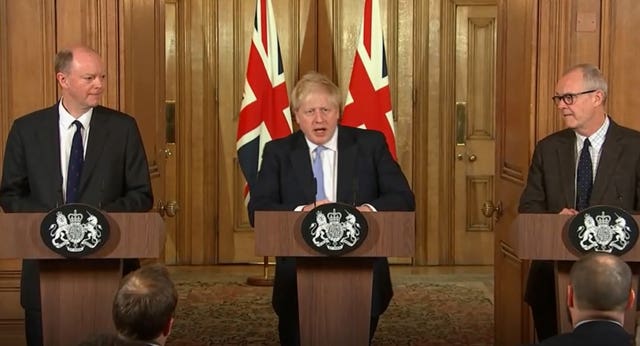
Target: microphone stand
[{"x": 266, "y": 279}]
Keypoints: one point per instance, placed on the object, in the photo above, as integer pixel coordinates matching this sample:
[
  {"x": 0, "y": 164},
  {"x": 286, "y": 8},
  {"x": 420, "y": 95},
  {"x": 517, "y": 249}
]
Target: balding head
[
  {"x": 601, "y": 282},
  {"x": 145, "y": 303}
]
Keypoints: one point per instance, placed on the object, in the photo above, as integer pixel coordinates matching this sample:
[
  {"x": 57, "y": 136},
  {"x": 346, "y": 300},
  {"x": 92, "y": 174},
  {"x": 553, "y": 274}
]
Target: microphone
[
  {"x": 59, "y": 197},
  {"x": 315, "y": 193},
  {"x": 101, "y": 197},
  {"x": 355, "y": 190}
]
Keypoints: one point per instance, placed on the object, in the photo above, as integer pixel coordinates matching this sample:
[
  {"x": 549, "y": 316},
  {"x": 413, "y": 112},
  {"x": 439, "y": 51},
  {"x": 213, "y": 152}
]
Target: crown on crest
[
  {"x": 603, "y": 219},
  {"x": 334, "y": 216},
  {"x": 75, "y": 217}
]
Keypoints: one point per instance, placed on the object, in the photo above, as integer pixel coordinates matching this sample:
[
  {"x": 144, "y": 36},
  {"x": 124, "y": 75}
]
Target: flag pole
[{"x": 265, "y": 279}]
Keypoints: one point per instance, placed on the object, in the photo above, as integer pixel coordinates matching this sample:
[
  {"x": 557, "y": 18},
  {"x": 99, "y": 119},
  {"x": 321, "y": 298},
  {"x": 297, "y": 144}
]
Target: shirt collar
[
  {"x": 332, "y": 143},
  {"x": 597, "y": 138},
  {"x": 66, "y": 119},
  {"x": 597, "y": 320}
]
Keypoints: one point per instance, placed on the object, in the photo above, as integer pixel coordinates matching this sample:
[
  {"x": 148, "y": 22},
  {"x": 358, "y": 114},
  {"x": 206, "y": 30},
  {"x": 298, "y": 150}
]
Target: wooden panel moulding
[
  {"x": 481, "y": 104},
  {"x": 621, "y": 71},
  {"x": 479, "y": 189}
]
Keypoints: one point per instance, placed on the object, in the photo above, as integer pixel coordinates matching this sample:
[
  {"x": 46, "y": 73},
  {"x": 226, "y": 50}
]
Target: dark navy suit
[
  {"x": 115, "y": 175},
  {"x": 551, "y": 187},
  {"x": 367, "y": 173}
]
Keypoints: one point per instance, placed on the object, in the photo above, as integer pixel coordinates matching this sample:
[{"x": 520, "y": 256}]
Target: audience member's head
[
  {"x": 144, "y": 305},
  {"x": 600, "y": 288}
]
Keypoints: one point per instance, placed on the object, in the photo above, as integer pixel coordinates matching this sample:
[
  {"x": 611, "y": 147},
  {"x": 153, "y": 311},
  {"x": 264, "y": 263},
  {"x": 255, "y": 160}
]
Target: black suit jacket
[
  {"x": 115, "y": 176},
  {"x": 551, "y": 186},
  {"x": 594, "y": 333},
  {"x": 366, "y": 174},
  {"x": 552, "y": 175}
]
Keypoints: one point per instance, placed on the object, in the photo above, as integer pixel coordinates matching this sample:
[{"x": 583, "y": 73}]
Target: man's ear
[
  {"x": 631, "y": 300},
  {"x": 599, "y": 97},
  {"x": 62, "y": 78},
  {"x": 570, "y": 302}
]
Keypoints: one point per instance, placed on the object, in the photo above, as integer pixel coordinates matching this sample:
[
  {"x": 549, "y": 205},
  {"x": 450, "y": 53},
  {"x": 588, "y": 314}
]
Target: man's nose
[
  {"x": 318, "y": 116},
  {"x": 99, "y": 82}
]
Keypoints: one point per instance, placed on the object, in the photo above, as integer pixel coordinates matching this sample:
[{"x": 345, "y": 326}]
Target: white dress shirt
[{"x": 67, "y": 130}]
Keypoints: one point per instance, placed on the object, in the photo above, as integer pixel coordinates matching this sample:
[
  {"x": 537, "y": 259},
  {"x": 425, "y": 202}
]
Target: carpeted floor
[{"x": 426, "y": 310}]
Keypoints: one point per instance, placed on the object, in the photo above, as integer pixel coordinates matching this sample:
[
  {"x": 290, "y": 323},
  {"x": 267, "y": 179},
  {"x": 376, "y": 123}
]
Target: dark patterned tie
[
  {"x": 318, "y": 174},
  {"x": 584, "y": 178},
  {"x": 76, "y": 161}
]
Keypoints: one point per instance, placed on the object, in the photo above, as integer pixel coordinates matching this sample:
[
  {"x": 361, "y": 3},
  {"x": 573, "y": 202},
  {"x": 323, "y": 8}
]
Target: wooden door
[
  {"x": 516, "y": 81},
  {"x": 475, "y": 44}
]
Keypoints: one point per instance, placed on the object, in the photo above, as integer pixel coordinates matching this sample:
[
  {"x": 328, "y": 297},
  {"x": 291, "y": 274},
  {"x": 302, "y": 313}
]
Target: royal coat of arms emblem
[
  {"x": 603, "y": 229},
  {"x": 334, "y": 229},
  {"x": 74, "y": 230}
]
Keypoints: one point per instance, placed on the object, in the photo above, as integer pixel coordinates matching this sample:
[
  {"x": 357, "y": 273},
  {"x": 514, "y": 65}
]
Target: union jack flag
[
  {"x": 368, "y": 103},
  {"x": 265, "y": 113}
]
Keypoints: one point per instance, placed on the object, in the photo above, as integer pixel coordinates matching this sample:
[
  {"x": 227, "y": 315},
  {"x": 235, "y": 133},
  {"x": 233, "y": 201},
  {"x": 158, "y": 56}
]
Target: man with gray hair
[
  {"x": 594, "y": 161},
  {"x": 597, "y": 297}
]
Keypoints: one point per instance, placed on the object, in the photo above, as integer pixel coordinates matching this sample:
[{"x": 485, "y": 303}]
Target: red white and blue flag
[
  {"x": 368, "y": 103},
  {"x": 265, "y": 113}
]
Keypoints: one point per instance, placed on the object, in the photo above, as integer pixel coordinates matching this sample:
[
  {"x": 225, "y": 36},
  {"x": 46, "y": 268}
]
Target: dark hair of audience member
[{"x": 144, "y": 303}]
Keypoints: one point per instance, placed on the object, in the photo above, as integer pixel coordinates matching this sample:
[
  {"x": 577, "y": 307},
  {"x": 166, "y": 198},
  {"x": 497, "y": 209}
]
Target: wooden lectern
[
  {"x": 539, "y": 237},
  {"x": 77, "y": 294},
  {"x": 334, "y": 293}
]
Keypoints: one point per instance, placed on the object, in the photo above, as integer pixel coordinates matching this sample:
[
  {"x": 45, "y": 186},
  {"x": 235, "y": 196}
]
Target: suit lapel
[
  {"x": 611, "y": 151},
  {"x": 301, "y": 162},
  {"x": 49, "y": 135},
  {"x": 98, "y": 134},
  {"x": 567, "y": 163},
  {"x": 347, "y": 156}
]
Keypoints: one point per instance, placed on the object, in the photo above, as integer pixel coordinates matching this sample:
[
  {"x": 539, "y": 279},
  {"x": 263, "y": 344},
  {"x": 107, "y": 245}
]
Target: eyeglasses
[{"x": 569, "y": 99}]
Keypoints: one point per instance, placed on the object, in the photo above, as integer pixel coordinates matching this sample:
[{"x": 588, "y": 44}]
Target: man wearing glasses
[{"x": 593, "y": 162}]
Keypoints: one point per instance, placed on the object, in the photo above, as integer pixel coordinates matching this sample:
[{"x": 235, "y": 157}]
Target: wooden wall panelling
[
  {"x": 140, "y": 80},
  {"x": 619, "y": 58},
  {"x": 235, "y": 25},
  {"x": 233, "y": 16},
  {"x": 327, "y": 34},
  {"x": 194, "y": 105},
  {"x": 211, "y": 138},
  {"x": 553, "y": 32},
  {"x": 11, "y": 314},
  {"x": 584, "y": 34},
  {"x": 35, "y": 59},
  {"x": 95, "y": 24},
  {"x": 424, "y": 73},
  {"x": 445, "y": 162},
  {"x": 141, "y": 72},
  {"x": 515, "y": 109},
  {"x": 27, "y": 83},
  {"x": 428, "y": 134}
]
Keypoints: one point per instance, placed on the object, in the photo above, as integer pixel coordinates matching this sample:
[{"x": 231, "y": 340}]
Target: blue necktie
[
  {"x": 317, "y": 173},
  {"x": 76, "y": 160},
  {"x": 584, "y": 177}
]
